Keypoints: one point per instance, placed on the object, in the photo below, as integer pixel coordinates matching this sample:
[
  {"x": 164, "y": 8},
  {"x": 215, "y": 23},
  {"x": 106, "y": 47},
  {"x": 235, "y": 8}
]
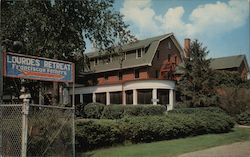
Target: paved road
[{"x": 240, "y": 149}]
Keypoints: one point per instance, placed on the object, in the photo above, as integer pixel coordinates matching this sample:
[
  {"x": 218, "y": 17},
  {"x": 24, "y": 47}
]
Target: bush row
[
  {"x": 92, "y": 134},
  {"x": 197, "y": 110},
  {"x": 101, "y": 111}
]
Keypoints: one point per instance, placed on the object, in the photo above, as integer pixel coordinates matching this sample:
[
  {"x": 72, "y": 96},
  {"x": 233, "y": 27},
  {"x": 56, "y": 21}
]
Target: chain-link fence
[
  {"x": 50, "y": 130},
  {"x": 10, "y": 129}
]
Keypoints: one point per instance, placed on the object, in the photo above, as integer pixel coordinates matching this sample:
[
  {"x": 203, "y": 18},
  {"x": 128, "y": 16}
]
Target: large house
[
  {"x": 232, "y": 63},
  {"x": 143, "y": 72}
]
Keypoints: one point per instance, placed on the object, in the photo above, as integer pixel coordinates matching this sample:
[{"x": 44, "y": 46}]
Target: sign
[
  {"x": 155, "y": 100},
  {"x": 37, "y": 68}
]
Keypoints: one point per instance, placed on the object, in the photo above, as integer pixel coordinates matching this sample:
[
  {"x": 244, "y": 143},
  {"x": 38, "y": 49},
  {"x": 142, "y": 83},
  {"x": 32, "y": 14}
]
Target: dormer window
[
  {"x": 169, "y": 45},
  {"x": 95, "y": 61},
  {"x": 139, "y": 53}
]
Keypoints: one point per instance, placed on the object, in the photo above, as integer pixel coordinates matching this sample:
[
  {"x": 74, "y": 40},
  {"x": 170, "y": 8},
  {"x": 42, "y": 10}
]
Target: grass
[{"x": 173, "y": 147}]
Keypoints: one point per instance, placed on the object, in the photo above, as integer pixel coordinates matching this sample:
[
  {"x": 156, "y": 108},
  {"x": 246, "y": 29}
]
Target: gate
[{"x": 42, "y": 131}]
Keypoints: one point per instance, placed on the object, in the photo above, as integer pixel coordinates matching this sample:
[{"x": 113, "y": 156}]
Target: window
[
  {"x": 108, "y": 60},
  {"x": 158, "y": 54},
  {"x": 106, "y": 76},
  {"x": 120, "y": 75},
  {"x": 169, "y": 57},
  {"x": 95, "y": 61},
  {"x": 169, "y": 45},
  {"x": 138, "y": 53},
  {"x": 125, "y": 56},
  {"x": 156, "y": 74},
  {"x": 137, "y": 73}
]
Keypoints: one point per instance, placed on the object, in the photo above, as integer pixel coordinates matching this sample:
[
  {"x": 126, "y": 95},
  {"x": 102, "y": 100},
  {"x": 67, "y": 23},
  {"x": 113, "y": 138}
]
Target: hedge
[
  {"x": 197, "y": 110},
  {"x": 94, "y": 110},
  {"x": 120, "y": 111},
  {"x": 92, "y": 134},
  {"x": 243, "y": 118},
  {"x": 101, "y": 111}
]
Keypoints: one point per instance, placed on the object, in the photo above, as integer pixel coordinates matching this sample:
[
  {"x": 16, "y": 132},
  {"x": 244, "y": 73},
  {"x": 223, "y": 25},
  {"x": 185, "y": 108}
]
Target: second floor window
[
  {"x": 120, "y": 75},
  {"x": 156, "y": 74},
  {"x": 169, "y": 57},
  {"x": 106, "y": 76},
  {"x": 137, "y": 73},
  {"x": 158, "y": 54}
]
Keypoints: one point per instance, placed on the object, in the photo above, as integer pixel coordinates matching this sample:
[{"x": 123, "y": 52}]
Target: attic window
[
  {"x": 95, "y": 61},
  {"x": 138, "y": 53},
  {"x": 169, "y": 45}
]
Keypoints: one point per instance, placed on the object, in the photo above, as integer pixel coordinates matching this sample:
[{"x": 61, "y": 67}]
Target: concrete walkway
[{"x": 239, "y": 149}]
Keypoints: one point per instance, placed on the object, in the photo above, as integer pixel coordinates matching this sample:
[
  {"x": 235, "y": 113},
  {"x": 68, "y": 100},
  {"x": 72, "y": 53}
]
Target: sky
[{"x": 222, "y": 26}]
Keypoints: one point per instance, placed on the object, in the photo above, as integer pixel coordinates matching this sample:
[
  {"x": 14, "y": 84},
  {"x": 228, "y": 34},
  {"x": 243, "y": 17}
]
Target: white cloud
[
  {"x": 140, "y": 13},
  {"x": 207, "y": 19}
]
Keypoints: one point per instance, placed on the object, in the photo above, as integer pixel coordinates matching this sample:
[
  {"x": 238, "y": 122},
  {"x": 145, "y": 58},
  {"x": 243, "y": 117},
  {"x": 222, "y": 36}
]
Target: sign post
[{"x": 1, "y": 75}]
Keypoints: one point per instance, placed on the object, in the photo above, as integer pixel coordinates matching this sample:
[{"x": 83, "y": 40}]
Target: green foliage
[
  {"x": 234, "y": 100},
  {"x": 154, "y": 128},
  {"x": 197, "y": 110},
  {"x": 113, "y": 112},
  {"x": 243, "y": 118},
  {"x": 98, "y": 133},
  {"x": 197, "y": 83},
  {"x": 92, "y": 134},
  {"x": 94, "y": 110}
]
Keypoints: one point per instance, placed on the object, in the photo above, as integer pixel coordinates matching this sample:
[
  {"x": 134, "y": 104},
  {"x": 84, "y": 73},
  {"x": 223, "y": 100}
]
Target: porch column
[
  {"x": 81, "y": 98},
  {"x": 171, "y": 100},
  {"x": 123, "y": 97},
  {"x": 107, "y": 98},
  {"x": 135, "y": 97},
  {"x": 94, "y": 97},
  {"x": 154, "y": 96}
]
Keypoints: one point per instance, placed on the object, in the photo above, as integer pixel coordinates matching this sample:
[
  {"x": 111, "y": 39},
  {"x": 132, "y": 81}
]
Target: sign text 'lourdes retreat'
[{"x": 36, "y": 68}]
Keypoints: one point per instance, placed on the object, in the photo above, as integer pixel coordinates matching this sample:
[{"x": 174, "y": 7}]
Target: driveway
[{"x": 239, "y": 149}]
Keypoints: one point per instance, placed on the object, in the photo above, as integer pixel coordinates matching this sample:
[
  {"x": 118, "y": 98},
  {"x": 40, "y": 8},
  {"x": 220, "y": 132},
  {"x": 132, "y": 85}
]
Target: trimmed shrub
[
  {"x": 243, "y": 118},
  {"x": 91, "y": 134},
  {"x": 197, "y": 110},
  {"x": 94, "y": 110},
  {"x": 119, "y": 111},
  {"x": 113, "y": 112},
  {"x": 154, "y": 128}
]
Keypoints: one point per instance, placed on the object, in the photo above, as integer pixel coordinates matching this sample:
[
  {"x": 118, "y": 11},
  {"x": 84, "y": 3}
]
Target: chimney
[{"x": 187, "y": 47}]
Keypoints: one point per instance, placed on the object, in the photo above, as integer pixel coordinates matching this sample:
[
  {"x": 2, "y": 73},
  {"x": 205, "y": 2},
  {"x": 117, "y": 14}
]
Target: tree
[
  {"x": 197, "y": 83},
  {"x": 59, "y": 28}
]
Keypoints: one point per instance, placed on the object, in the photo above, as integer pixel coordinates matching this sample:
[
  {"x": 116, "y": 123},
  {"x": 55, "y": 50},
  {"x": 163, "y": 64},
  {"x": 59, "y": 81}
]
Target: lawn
[{"x": 173, "y": 147}]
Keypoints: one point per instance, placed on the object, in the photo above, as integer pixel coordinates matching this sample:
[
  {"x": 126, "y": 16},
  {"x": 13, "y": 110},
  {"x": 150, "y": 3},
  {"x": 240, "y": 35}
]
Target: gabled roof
[
  {"x": 145, "y": 60},
  {"x": 228, "y": 62}
]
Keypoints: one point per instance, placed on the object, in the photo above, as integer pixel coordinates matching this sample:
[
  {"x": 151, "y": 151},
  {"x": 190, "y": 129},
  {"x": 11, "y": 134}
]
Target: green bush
[
  {"x": 197, "y": 110},
  {"x": 119, "y": 111},
  {"x": 113, "y": 112},
  {"x": 94, "y": 110},
  {"x": 154, "y": 128},
  {"x": 243, "y": 118},
  {"x": 91, "y": 134}
]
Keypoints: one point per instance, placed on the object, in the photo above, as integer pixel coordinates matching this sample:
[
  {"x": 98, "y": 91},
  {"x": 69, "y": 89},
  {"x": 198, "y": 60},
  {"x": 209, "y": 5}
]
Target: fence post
[{"x": 25, "y": 112}]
